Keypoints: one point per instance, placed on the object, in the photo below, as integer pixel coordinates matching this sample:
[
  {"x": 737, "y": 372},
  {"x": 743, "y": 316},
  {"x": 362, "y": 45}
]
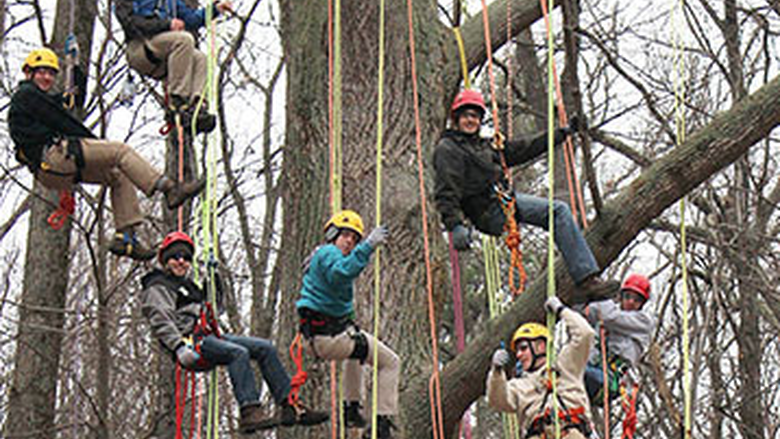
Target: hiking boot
[
  {"x": 384, "y": 428},
  {"x": 594, "y": 289},
  {"x": 177, "y": 193},
  {"x": 252, "y": 420},
  {"x": 352, "y": 416},
  {"x": 205, "y": 122},
  {"x": 299, "y": 415},
  {"x": 125, "y": 243}
]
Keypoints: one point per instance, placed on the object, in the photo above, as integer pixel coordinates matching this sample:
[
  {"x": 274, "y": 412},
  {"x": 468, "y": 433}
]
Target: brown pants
[
  {"x": 114, "y": 164},
  {"x": 181, "y": 63},
  {"x": 339, "y": 347}
]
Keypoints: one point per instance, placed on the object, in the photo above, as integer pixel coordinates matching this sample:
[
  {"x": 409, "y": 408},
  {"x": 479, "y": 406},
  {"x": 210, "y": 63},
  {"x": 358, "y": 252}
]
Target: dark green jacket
[
  {"x": 466, "y": 169},
  {"x": 37, "y": 119}
]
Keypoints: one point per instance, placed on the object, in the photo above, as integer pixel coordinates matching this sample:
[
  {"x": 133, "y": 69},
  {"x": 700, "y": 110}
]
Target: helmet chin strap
[{"x": 534, "y": 357}]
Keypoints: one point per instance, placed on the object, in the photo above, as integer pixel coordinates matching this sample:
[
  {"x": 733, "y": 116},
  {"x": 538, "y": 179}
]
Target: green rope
[
  {"x": 336, "y": 177},
  {"x": 550, "y": 357},
  {"x": 378, "y": 213}
]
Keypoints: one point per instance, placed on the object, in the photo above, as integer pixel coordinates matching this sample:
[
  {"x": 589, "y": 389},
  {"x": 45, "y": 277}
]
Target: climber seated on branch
[
  {"x": 161, "y": 45},
  {"x": 530, "y": 396},
  {"x": 470, "y": 184},
  {"x": 327, "y": 317},
  {"x": 629, "y": 330},
  {"x": 183, "y": 320},
  {"x": 61, "y": 152}
]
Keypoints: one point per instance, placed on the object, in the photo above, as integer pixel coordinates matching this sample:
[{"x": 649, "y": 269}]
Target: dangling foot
[
  {"x": 299, "y": 414},
  {"x": 125, "y": 243},
  {"x": 593, "y": 289},
  {"x": 177, "y": 193},
  {"x": 384, "y": 427},
  {"x": 352, "y": 416},
  {"x": 252, "y": 420}
]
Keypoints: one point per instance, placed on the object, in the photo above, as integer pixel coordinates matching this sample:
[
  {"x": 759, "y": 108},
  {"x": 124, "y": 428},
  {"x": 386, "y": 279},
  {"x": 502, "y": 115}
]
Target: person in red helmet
[
  {"x": 176, "y": 309},
  {"x": 628, "y": 328},
  {"x": 469, "y": 182}
]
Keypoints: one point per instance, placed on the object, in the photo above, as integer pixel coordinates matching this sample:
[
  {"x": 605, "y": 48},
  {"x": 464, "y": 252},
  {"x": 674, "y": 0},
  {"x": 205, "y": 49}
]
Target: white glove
[
  {"x": 554, "y": 305},
  {"x": 501, "y": 358},
  {"x": 187, "y": 356},
  {"x": 377, "y": 236}
]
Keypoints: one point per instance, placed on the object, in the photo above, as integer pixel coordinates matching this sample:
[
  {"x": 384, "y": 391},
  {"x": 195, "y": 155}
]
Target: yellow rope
[
  {"x": 462, "y": 51},
  {"x": 679, "y": 120}
]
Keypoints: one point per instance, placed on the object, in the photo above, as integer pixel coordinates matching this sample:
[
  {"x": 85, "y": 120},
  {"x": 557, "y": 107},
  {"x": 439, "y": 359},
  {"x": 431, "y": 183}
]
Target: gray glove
[
  {"x": 461, "y": 238},
  {"x": 377, "y": 236},
  {"x": 501, "y": 358},
  {"x": 187, "y": 356},
  {"x": 554, "y": 305}
]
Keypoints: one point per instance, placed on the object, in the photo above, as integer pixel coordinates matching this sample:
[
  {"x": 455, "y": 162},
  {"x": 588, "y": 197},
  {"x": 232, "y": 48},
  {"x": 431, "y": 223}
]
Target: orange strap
[
  {"x": 296, "y": 353},
  {"x": 66, "y": 208}
]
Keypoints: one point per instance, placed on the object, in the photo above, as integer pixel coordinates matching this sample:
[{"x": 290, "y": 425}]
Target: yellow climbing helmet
[
  {"x": 43, "y": 57},
  {"x": 346, "y": 219},
  {"x": 530, "y": 331}
]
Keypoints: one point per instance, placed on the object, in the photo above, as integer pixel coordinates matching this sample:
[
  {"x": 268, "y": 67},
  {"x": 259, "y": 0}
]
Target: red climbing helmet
[
  {"x": 173, "y": 238},
  {"x": 638, "y": 284},
  {"x": 468, "y": 97}
]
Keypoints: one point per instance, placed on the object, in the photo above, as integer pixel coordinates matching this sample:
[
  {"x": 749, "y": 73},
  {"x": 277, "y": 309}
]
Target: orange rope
[
  {"x": 513, "y": 238},
  {"x": 629, "y": 408},
  {"x": 437, "y": 419},
  {"x": 299, "y": 379},
  {"x": 575, "y": 189}
]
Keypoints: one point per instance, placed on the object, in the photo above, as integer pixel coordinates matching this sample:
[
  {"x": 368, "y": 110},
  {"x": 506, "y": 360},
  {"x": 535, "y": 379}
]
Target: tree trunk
[{"x": 32, "y": 397}]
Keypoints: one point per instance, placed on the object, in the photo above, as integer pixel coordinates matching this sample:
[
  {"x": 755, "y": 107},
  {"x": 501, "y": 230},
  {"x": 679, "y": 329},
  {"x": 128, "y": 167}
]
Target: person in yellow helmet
[
  {"x": 60, "y": 152},
  {"x": 327, "y": 316},
  {"x": 530, "y": 395}
]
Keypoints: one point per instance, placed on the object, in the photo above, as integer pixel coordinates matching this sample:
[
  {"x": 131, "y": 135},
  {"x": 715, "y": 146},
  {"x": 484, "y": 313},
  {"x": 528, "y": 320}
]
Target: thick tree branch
[{"x": 706, "y": 152}]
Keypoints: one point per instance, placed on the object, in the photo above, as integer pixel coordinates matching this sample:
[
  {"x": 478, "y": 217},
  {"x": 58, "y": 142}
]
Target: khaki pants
[
  {"x": 111, "y": 163},
  {"x": 339, "y": 347},
  {"x": 182, "y": 64}
]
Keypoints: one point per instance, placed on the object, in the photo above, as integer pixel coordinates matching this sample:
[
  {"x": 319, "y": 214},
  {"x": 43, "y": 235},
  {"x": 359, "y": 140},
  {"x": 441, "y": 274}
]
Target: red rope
[
  {"x": 629, "y": 408},
  {"x": 67, "y": 207},
  {"x": 299, "y": 379},
  {"x": 605, "y": 389},
  {"x": 179, "y": 402}
]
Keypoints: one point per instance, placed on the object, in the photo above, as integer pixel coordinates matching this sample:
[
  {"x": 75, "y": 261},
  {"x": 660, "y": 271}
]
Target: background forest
[{"x": 76, "y": 358}]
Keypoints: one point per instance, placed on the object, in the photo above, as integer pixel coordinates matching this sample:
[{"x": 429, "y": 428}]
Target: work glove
[
  {"x": 501, "y": 359},
  {"x": 187, "y": 356},
  {"x": 554, "y": 305},
  {"x": 461, "y": 238},
  {"x": 377, "y": 236}
]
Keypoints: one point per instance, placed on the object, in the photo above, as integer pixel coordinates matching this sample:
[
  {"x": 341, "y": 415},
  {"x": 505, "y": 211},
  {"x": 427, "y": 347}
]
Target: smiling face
[
  {"x": 346, "y": 241},
  {"x": 469, "y": 120},
  {"x": 179, "y": 264},
  {"x": 42, "y": 77}
]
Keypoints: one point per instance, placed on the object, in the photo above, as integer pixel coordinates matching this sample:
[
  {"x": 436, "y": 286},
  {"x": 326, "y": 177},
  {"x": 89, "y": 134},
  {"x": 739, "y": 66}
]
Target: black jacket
[
  {"x": 37, "y": 119},
  {"x": 466, "y": 169}
]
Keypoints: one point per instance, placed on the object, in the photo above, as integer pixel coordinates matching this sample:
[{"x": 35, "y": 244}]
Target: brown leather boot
[
  {"x": 177, "y": 193},
  {"x": 252, "y": 419}
]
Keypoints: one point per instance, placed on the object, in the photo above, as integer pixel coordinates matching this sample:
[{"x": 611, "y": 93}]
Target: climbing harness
[{"x": 573, "y": 418}]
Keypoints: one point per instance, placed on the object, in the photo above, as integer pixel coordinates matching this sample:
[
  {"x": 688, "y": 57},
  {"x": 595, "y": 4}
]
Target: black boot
[
  {"x": 593, "y": 289},
  {"x": 352, "y": 416},
  {"x": 299, "y": 414},
  {"x": 384, "y": 428},
  {"x": 182, "y": 110}
]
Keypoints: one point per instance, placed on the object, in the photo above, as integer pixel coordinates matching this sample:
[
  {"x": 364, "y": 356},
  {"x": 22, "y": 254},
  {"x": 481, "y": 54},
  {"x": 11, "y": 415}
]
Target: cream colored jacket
[{"x": 525, "y": 395}]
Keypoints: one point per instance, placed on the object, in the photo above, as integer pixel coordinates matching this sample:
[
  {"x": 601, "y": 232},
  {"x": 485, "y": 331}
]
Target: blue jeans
[
  {"x": 594, "y": 380},
  {"x": 235, "y": 352},
  {"x": 533, "y": 210}
]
